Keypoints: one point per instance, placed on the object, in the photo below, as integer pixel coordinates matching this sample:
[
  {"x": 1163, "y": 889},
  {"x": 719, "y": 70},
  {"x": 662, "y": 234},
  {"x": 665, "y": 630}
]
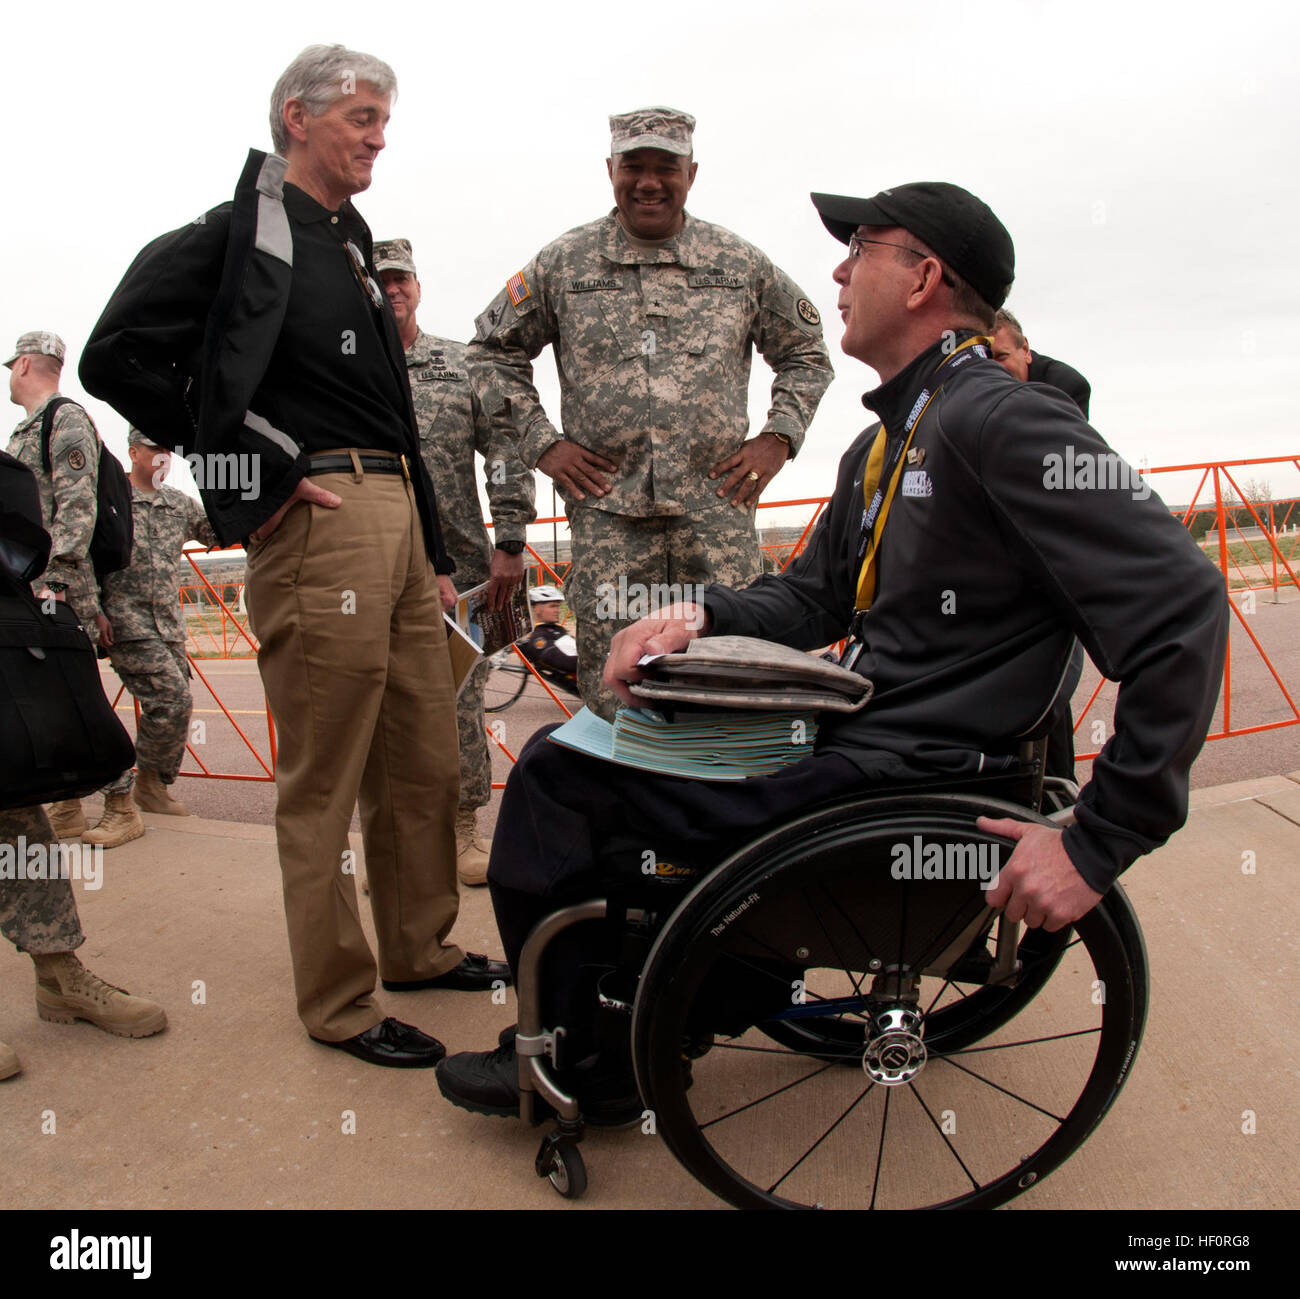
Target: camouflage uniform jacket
[
  {"x": 68, "y": 498},
  {"x": 653, "y": 352},
  {"x": 457, "y": 415},
  {"x": 142, "y": 601}
]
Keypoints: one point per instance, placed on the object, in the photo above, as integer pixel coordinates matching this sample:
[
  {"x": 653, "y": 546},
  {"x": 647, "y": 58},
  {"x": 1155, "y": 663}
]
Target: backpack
[
  {"x": 110, "y": 545},
  {"x": 59, "y": 735}
]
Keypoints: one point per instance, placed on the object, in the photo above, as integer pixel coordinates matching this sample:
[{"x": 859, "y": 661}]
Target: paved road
[{"x": 1256, "y": 698}]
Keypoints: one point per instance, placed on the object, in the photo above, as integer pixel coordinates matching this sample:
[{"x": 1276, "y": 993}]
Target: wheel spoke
[
  {"x": 1028, "y": 1041},
  {"x": 823, "y": 1137},
  {"x": 750, "y": 1104},
  {"x": 938, "y": 1127},
  {"x": 1003, "y": 1090},
  {"x": 774, "y": 1050},
  {"x": 840, "y": 961},
  {"x": 880, "y": 1150},
  {"x": 947, "y": 983}
]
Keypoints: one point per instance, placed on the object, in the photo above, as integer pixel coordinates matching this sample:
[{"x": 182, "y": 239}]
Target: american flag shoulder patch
[{"x": 517, "y": 288}]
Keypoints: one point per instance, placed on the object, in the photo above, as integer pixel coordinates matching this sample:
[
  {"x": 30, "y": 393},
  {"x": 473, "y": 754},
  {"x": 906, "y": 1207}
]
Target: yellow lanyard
[{"x": 871, "y": 475}]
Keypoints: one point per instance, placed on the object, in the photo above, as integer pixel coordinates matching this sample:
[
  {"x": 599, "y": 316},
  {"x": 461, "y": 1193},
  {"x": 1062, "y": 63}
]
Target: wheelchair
[{"x": 833, "y": 1017}]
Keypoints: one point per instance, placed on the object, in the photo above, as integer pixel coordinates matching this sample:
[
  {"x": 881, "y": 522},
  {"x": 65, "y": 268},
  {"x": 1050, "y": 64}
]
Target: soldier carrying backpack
[{"x": 86, "y": 508}]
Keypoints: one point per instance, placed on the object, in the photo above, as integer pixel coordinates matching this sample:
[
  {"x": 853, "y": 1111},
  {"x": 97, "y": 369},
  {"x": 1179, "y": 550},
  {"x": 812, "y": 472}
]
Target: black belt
[{"x": 371, "y": 464}]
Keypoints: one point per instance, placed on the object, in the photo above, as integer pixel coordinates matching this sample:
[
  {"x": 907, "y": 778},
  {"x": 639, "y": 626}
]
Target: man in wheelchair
[{"x": 1012, "y": 529}]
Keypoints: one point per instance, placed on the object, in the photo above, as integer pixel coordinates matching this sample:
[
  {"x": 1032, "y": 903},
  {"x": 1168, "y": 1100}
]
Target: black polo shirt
[{"x": 332, "y": 381}]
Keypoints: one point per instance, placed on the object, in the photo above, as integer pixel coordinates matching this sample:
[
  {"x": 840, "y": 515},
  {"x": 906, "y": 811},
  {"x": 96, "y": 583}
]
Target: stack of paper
[{"x": 712, "y": 746}]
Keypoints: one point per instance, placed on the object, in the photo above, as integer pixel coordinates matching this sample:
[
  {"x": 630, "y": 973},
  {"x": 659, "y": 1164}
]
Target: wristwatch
[
  {"x": 57, "y": 587},
  {"x": 511, "y": 547}
]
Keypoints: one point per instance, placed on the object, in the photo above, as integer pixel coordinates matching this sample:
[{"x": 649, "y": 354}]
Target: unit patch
[
  {"x": 808, "y": 311},
  {"x": 76, "y": 459}
]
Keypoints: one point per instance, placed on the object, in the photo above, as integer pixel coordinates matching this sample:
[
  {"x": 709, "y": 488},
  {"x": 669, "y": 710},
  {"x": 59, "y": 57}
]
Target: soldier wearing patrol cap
[
  {"x": 458, "y": 413},
  {"x": 651, "y": 314},
  {"x": 143, "y": 627},
  {"x": 38, "y": 908},
  {"x": 68, "y": 509}
]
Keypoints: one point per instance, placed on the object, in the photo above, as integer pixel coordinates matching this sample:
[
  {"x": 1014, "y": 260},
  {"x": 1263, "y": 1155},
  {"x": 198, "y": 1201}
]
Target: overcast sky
[{"x": 1143, "y": 157}]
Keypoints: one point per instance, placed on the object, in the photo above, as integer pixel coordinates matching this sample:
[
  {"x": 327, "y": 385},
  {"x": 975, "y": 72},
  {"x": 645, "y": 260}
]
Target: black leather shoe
[
  {"x": 474, "y": 974},
  {"x": 392, "y": 1043}
]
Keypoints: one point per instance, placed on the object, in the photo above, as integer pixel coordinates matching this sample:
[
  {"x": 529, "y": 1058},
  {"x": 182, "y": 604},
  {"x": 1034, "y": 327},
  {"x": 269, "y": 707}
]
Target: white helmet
[{"x": 545, "y": 595}]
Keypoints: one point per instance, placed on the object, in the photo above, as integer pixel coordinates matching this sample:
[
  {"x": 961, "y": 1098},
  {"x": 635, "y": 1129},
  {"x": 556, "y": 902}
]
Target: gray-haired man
[{"x": 261, "y": 326}]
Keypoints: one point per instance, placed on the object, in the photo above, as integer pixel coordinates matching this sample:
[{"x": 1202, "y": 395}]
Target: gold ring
[{"x": 752, "y": 476}]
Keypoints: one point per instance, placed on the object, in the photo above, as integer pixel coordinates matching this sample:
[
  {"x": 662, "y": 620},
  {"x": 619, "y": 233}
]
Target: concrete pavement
[{"x": 234, "y": 1107}]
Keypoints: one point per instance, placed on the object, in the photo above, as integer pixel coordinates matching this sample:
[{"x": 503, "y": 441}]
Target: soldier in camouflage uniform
[
  {"x": 144, "y": 630},
  {"x": 652, "y": 315},
  {"x": 458, "y": 414},
  {"x": 68, "y": 510},
  {"x": 38, "y": 914}
]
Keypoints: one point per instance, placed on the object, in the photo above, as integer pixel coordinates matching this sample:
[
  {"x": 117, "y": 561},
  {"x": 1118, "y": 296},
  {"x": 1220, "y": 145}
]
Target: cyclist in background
[{"x": 550, "y": 647}]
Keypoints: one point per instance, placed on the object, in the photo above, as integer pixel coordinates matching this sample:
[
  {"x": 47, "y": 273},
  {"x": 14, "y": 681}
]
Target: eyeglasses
[{"x": 855, "y": 250}]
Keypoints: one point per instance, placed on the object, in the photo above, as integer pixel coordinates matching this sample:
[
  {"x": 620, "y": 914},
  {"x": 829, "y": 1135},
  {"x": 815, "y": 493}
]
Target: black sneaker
[{"x": 487, "y": 1082}]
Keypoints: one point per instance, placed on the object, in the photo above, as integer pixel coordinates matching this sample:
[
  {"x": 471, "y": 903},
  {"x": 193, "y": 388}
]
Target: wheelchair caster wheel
[{"x": 560, "y": 1162}]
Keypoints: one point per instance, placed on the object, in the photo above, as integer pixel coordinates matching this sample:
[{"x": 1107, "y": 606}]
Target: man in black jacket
[
  {"x": 265, "y": 317},
  {"x": 1011, "y": 351},
  {"x": 998, "y": 552}
]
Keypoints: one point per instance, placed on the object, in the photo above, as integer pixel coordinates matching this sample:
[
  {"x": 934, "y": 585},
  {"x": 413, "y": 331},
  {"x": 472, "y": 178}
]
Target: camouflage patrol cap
[
  {"x": 651, "y": 128},
  {"x": 38, "y": 342},
  {"x": 134, "y": 438},
  {"x": 394, "y": 255}
]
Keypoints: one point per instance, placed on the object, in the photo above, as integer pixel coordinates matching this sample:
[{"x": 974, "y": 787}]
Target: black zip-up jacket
[
  {"x": 994, "y": 555},
  {"x": 185, "y": 341}
]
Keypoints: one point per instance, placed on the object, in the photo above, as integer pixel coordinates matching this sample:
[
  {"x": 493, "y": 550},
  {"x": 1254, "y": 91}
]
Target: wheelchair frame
[{"x": 882, "y": 1029}]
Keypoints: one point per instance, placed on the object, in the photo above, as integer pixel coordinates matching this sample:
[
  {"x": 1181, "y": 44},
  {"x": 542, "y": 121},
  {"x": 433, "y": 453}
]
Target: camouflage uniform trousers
[
  {"x": 157, "y": 673},
  {"x": 37, "y": 916},
  {"x": 123, "y": 782},
  {"x": 625, "y": 567},
  {"x": 475, "y": 758}
]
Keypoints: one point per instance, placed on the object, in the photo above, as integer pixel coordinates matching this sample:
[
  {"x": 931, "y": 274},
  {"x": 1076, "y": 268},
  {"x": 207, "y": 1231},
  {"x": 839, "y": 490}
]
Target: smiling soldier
[{"x": 652, "y": 315}]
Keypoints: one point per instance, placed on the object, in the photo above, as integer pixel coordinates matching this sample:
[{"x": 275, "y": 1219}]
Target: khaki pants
[{"x": 353, "y": 658}]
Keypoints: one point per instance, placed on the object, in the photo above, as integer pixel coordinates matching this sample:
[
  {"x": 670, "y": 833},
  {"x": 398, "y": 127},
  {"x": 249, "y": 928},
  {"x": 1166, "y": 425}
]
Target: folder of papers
[{"x": 695, "y": 746}]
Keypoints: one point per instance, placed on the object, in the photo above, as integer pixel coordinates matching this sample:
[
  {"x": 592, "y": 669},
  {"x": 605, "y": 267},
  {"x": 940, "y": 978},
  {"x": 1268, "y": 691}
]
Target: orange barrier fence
[{"x": 1254, "y": 542}]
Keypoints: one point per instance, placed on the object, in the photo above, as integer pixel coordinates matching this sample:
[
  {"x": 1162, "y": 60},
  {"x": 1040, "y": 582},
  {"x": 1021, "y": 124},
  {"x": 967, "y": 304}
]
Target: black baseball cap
[{"x": 961, "y": 229}]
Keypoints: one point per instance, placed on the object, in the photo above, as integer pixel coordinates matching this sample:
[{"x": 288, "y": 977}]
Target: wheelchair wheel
[
  {"x": 567, "y": 1172},
  {"x": 506, "y": 679},
  {"x": 804, "y": 954}
]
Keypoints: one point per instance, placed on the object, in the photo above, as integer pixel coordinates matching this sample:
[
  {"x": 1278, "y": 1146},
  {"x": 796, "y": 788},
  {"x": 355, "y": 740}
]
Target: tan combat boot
[
  {"x": 8, "y": 1061},
  {"x": 120, "y": 823},
  {"x": 471, "y": 860},
  {"x": 67, "y": 991},
  {"x": 151, "y": 795},
  {"x": 67, "y": 820}
]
